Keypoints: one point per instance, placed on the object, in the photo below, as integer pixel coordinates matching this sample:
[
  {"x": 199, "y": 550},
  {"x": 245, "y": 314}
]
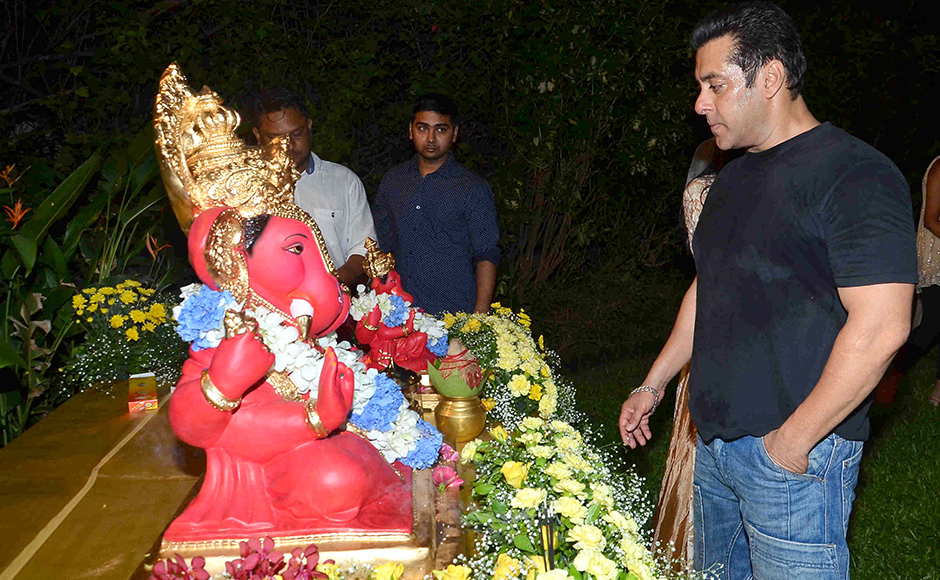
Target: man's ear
[
  {"x": 310, "y": 125},
  {"x": 257, "y": 134},
  {"x": 773, "y": 78},
  {"x": 456, "y": 129},
  {"x": 411, "y": 136}
]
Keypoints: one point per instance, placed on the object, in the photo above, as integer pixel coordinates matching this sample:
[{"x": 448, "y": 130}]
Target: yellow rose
[
  {"x": 570, "y": 508},
  {"x": 117, "y": 321},
  {"x": 528, "y": 497},
  {"x": 388, "y": 571},
  {"x": 499, "y": 433},
  {"x": 602, "y": 494},
  {"x": 468, "y": 451},
  {"x": 488, "y": 404},
  {"x": 449, "y": 320},
  {"x": 138, "y": 316},
  {"x": 567, "y": 443},
  {"x": 506, "y": 567},
  {"x": 519, "y": 386},
  {"x": 587, "y": 538},
  {"x": 453, "y": 572},
  {"x": 515, "y": 473},
  {"x": 132, "y": 333}
]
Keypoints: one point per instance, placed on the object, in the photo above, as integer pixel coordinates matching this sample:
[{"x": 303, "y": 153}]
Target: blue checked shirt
[{"x": 438, "y": 227}]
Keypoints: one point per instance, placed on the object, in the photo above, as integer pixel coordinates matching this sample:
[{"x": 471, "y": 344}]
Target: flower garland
[
  {"x": 596, "y": 516},
  {"x": 395, "y": 312},
  {"x": 378, "y": 407},
  {"x": 520, "y": 381}
]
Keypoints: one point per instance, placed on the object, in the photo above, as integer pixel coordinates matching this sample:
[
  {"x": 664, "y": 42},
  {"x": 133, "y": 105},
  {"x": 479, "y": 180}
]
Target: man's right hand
[{"x": 635, "y": 419}]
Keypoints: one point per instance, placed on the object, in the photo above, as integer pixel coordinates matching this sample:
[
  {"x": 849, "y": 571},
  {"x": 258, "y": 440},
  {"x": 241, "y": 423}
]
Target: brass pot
[{"x": 460, "y": 418}]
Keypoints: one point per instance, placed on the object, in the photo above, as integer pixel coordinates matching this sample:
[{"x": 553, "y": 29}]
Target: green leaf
[
  {"x": 522, "y": 542},
  {"x": 452, "y": 386},
  {"x": 9, "y": 357},
  {"x": 592, "y": 513},
  {"x": 54, "y": 207},
  {"x": 483, "y": 488},
  {"x": 9, "y": 264},
  {"x": 79, "y": 224},
  {"x": 499, "y": 508},
  {"x": 53, "y": 256}
]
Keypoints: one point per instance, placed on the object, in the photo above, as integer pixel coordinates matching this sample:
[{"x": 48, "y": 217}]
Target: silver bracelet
[{"x": 652, "y": 391}]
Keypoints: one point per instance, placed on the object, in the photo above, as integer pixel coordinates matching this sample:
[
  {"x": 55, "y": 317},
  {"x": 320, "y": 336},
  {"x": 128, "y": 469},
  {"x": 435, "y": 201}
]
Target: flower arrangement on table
[
  {"x": 127, "y": 331},
  {"x": 379, "y": 409},
  {"x": 544, "y": 481},
  {"x": 518, "y": 379}
]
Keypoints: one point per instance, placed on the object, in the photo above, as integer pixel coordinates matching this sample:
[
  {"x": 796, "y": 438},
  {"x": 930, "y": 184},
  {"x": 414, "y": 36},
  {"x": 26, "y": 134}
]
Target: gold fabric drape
[{"x": 673, "y": 518}]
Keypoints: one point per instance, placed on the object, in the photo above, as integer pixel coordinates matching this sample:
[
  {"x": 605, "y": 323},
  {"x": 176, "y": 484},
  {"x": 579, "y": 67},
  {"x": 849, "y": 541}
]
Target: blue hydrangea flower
[
  {"x": 399, "y": 312},
  {"x": 201, "y": 313},
  {"x": 382, "y": 409},
  {"x": 439, "y": 347},
  {"x": 428, "y": 447}
]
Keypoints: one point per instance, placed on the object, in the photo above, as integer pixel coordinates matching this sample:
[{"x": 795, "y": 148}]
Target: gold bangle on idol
[
  {"x": 313, "y": 419},
  {"x": 214, "y": 396},
  {"x": 369, "y": 327}
]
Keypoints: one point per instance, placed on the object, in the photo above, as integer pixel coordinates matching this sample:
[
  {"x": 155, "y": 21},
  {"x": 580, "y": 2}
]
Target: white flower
[{"x": 187, "y": 291}]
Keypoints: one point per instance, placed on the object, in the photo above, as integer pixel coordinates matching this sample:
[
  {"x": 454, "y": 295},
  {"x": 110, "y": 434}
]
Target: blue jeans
[{"x": 758, "y": 520}]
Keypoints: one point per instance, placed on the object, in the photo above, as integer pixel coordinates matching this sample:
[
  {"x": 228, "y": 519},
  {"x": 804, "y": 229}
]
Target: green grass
[{"x": 610, "y": 339}]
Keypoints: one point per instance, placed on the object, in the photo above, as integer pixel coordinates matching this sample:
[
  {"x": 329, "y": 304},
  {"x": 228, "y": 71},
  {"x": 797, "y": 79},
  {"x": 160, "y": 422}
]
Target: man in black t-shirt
[{"x": 806, "y": 268}]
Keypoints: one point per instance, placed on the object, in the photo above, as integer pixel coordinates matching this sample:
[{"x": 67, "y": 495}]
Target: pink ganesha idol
[{"x": 282, "y": 460}]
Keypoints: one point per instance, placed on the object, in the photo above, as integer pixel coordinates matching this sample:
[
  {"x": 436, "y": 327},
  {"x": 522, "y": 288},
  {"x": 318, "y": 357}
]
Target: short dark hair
[
  {"x": 279, "y": 99},
  {"x": 436, "y": 103},
  {"x": 761, "y": 32}
]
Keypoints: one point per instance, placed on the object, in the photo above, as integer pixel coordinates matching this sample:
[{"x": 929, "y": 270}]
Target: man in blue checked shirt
[{"x": 438, "y": 218}]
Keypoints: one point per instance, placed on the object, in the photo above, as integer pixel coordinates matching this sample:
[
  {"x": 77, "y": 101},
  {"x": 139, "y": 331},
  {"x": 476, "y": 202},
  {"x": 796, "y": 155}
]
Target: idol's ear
[{"x": 215, "y": 251}]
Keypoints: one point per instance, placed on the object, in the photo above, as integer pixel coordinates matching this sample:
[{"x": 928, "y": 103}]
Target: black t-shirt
[{"x": 781, "y": 231}]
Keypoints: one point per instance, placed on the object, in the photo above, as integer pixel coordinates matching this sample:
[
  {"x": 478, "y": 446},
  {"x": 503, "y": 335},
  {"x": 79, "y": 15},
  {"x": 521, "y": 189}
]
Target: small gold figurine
[{"x": 377, "y": 262}]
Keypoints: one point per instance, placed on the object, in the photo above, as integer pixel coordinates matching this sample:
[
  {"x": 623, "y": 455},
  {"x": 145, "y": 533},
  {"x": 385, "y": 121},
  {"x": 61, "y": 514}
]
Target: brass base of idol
[
  {"x": 422, "y": 551},
  {"x": 460, "y": 418}
]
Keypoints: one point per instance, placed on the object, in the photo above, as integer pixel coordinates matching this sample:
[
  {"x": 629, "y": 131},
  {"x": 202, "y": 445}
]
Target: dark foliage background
[{"x": 579, "y": 114}]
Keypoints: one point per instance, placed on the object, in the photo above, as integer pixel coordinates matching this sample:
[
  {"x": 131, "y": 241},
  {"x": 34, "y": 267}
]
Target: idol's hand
[
  {"x": 335, "y": 394},
  {"x": 239, "y": 363}
]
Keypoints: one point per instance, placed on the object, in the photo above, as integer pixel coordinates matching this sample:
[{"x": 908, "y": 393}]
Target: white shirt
[{"x": 334, "y": 197}]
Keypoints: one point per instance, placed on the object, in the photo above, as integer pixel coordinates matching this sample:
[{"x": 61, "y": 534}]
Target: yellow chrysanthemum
[
  {"x": 117, "y": 321},
  {"x": 150, "y": 327},
  {"x": 107, "y": 291},
  {"x": 472, "y": 325},
  {"x": 79, "y": 302},
  {"x": 536, "y": 392},
  {"x": 88, "y": 319},
  {"x": 97, "y": 297},
  {"x": 89, "y": 291},
  {"x": 158, "y": 312},
  {"x": 132, "y": 283},
  {"x": 128, "y": 297},
  {"x": 111, "y": 302},
  {"x": 132, "y": 333},
  {"x": 147, "y": 291},
  {"x": 93, "y": 307},
  {"x": 138, "y": 316}
]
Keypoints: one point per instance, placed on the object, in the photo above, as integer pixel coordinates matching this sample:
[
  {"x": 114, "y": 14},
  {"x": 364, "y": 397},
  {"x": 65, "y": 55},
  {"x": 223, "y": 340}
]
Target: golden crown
[{"x": 204, "y": 164}]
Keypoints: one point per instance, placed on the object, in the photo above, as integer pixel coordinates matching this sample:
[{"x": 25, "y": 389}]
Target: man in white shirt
[{"x": 331, "y": 193}]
